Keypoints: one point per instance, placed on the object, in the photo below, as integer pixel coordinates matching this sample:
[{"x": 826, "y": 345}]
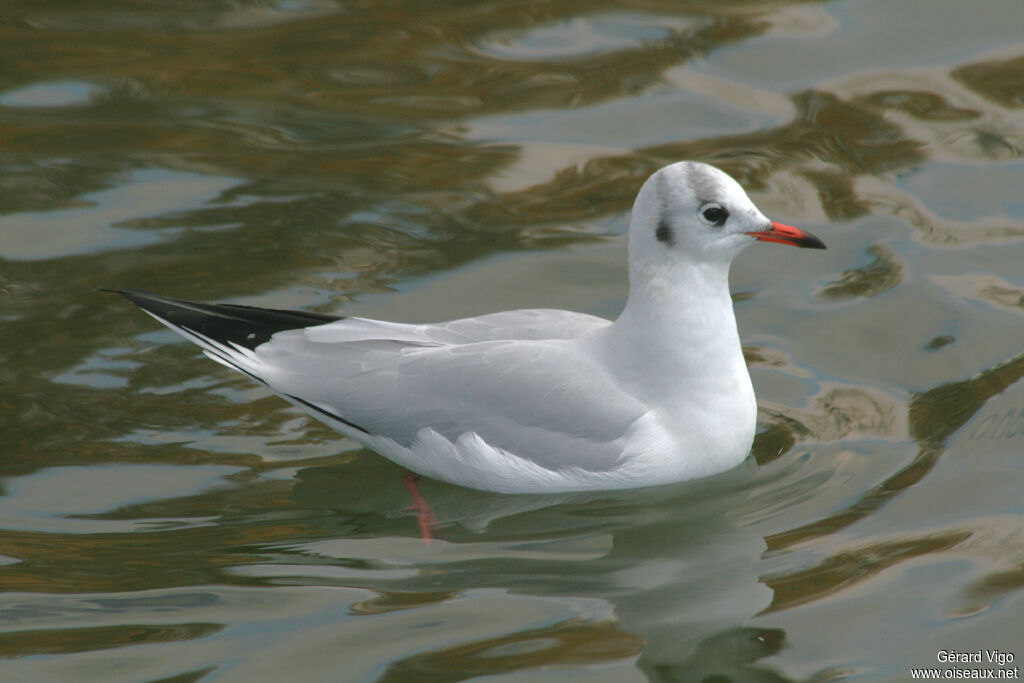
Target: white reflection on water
[
  {"x": 53, "y": 94},
  {"x": 582, "y": 36},
  {"x": 62, "y": 499},
  {"x": 96, "y": 222}
]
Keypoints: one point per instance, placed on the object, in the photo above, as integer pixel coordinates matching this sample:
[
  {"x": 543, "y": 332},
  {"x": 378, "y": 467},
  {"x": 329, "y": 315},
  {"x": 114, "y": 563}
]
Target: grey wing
[
  {"x": 536, "y": 323},
  {"x": 541, "y": 400}
]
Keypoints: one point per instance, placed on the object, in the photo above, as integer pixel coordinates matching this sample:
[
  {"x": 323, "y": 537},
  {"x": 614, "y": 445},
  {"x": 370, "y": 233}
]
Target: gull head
[{"x": 691, "y": 212}]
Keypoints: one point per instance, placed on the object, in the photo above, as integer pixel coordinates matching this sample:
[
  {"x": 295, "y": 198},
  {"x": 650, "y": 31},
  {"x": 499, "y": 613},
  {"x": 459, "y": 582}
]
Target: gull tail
[
  {"x": 245, "y": 326},
  {"x": 228, "y": 333}
]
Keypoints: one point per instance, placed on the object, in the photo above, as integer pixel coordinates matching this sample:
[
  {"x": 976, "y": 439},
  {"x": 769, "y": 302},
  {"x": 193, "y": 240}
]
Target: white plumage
[{"x": 536, "y": 400}]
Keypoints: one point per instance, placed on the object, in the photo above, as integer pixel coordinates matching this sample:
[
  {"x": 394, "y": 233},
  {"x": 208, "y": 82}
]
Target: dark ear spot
[{"x": 664, "y": 232}]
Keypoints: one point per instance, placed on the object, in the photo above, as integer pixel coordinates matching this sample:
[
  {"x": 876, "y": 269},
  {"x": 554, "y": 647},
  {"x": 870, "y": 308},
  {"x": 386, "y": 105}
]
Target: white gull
[{"x": 540, "y": 400}]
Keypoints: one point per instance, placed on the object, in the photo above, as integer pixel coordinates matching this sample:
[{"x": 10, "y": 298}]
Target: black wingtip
[
  {"x": 139, "y": 297},
  {"x": 247, "y": 326}
]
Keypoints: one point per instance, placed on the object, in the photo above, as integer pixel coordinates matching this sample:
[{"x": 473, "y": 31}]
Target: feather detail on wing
[
  {"x": 540, "y": 400},
  {"x": 538, "y": 323},
  {"x": 517, "y": 383}
]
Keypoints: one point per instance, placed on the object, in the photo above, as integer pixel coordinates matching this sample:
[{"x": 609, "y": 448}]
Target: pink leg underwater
[{"x": 429, "y": 524}]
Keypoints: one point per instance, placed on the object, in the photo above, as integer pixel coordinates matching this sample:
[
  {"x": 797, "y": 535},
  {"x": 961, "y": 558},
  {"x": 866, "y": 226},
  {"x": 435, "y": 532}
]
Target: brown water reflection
[
  {"x": 161, "y": 519},
  {"x": 68, "y": 641},
  {"x": 565, "y": 645},
  {"x": 933, "y": 417}
]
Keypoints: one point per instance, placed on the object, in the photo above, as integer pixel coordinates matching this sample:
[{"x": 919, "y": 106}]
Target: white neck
[{"x": 677, "y": 334}]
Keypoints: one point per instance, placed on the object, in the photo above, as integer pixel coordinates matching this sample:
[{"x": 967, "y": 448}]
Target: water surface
[{"x": 163, "y": 519}]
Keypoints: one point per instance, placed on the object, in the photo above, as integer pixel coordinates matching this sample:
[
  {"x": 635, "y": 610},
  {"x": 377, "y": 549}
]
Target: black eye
[{"x": 715, "y": 215}]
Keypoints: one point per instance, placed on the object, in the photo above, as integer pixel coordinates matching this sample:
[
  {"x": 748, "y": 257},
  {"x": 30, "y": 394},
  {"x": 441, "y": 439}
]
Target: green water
[{"x": 162, "y": 519}]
